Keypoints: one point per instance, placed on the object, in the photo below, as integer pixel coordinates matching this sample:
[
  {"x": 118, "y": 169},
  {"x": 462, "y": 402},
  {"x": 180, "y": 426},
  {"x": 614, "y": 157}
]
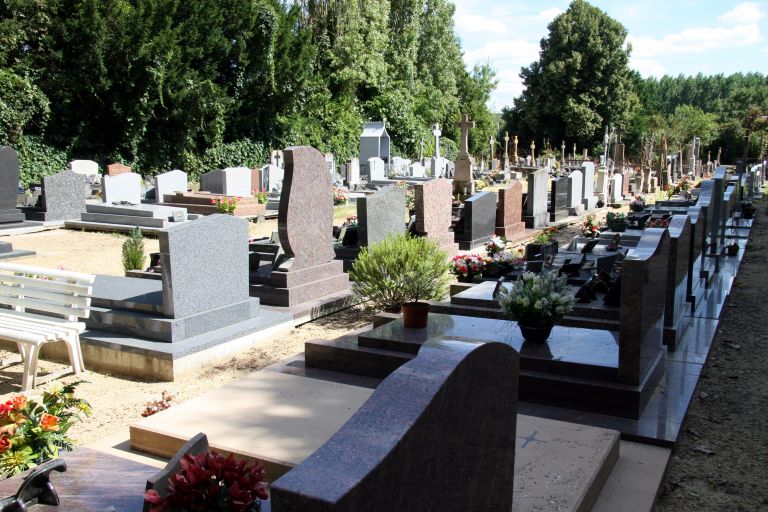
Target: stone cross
[
  {"x": 506, "y": 149},
  {"x": 421, "y": 150},
  {"x": 562, "y": 154},
  {"x": 533, "y": 153},
  {"x": 515, "y": 156},
  {"x": 493, "y": 147},
  {"x": 465, "y": 124},
  {"x": 719, "y": 153},
  {"x": 709, "y": 157},
  {"x": 437, "y": 133},
  {"x": 574, "y": 151}
]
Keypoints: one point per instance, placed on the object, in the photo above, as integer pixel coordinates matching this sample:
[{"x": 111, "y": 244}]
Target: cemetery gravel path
[{"x": 721, "y": 459}]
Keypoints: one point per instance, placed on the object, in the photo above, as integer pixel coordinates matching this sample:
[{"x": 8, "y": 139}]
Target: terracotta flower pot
[{"x": 415, "y": 315}]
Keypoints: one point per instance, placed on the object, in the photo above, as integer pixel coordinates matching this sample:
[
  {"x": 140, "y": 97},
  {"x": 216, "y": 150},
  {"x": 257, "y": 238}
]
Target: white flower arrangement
[
  {"x": 537, "y": 299},
  {"x": 495, "y": 245}
]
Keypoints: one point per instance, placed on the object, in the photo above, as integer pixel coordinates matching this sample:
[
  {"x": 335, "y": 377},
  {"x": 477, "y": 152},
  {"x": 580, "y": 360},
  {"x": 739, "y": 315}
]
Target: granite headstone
[
  {"x": 433, "y": 212},
  {"x": 9, "y": 182},
  {"x": 575, "y": 187},
  {"x": 380, "y": 215},
  {"x": 376, "y": 171},
  {"x": 588, "y": 198},
  {"x": 558, "y": 209},
  {"x": 478, "y": 221},
  {"x": 170, "y": 183},
  {"x": 122, "y": 188},
  {"x": 509, "y": 213},
  {"x": 536, "y": 202}
]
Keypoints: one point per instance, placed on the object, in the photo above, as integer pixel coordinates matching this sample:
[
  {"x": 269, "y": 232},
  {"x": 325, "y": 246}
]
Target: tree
[{"x": 581, "y": 81}]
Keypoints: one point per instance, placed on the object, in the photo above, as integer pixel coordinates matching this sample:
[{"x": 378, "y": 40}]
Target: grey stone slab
[
  {"x": 138, "y": 210},
  {"x": 104, "y": 218},
  {"x": 536, "y": 202},
  {"x": 9, "y": 183},
  {"x": 478, "y": 223},
  {"x": 205, "y": 265},
  {"x": 558, "y": 209},
  {"x": 232, "y": 181},
  {"x": 124, "y": 187},
  {"x": 433, "y": 418},
  {"x": 63, "y": 196},
  {"x": 380, "y": 215}
]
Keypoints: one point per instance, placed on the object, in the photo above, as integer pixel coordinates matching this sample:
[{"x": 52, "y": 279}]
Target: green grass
[{"x": 340, "y": 213}]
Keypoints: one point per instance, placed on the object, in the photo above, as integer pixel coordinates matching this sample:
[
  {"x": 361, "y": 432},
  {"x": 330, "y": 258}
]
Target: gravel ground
[{"x": 721, "y": 459}]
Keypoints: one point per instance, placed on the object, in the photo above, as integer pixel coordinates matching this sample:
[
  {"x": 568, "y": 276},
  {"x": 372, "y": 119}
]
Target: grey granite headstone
[
  {"x": 125, "y": 187},
  {"x": 170, "y": 183},
  {"x": 603, "y": 185},
  {"x": 536, "y": 202},
  {"x": 380, "y": 215},
  {"x": 9, "y": 181},
  {"x": 232, "y": 181},
  {"x": 478, "y": 223},
  {"x": 575, "y": 186},
  {"x": 205, "y": 265},
  {"x": 64, "y": 196},
  {"x": 558, "y": 209},
  {"x": 675, "y": 318},
  {"x": 437, "y": 434},
  {"x": 588, "y": 197}
]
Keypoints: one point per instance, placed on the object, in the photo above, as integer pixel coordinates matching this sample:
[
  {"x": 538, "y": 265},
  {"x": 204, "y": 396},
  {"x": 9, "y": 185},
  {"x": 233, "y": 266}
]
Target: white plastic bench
[{"x": 42, "y": 305}]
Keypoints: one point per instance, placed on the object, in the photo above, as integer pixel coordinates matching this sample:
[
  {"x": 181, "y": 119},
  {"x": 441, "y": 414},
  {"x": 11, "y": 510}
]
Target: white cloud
[
  {"x": 550, "y": 14},
  {"x": 695, "y": 40},
  {"x": 744, "y": 12},
  {"x": 764, "y": 50},
  {"x": 511, "y": 51},
  {"x": 647, "y": 67},
  {"x": 479, "y": 24}
]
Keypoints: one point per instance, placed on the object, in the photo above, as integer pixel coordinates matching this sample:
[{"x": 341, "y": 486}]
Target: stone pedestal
[{"x": 462, "y": 177}]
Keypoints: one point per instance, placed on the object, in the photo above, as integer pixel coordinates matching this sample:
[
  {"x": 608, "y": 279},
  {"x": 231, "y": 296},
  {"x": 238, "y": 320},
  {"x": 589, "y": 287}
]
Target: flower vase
[{"x": 535, "y": 334}]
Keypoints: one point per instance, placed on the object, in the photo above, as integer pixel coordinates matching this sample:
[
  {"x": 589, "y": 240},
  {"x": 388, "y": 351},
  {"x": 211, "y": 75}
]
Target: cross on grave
[
  {"x": 533, "y": 153},
  {"x": 574, "y": 150},
  {"x": 515, "y": 155},
  {"x": 421, "y": 150},
  {"x": 493, "y": 147},
  {"x": 562, "y": 153},
  {"x": 530, "y": 439},
  {"x": 437, "y": 133},
  {"x": 465, "y": 124}
]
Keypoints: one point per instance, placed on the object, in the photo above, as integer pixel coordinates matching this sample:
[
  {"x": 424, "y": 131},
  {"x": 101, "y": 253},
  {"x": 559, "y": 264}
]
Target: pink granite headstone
[
  {"x": 433, "y": 212},
  {"x": 117, "y": 169},
  {"x": 255, "y": 181},
  {"x": 509, "y": 211}
]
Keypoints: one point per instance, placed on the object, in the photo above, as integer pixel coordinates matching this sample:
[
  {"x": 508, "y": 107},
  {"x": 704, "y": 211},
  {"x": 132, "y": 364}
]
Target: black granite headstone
[
  {"x": 558, "y": 209},
  {"x": 478, "y": 221},
  {"x": 9, "y": 184}
]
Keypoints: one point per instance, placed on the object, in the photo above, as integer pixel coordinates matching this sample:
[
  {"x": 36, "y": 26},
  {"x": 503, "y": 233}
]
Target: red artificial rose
[
  {"x": 5, "y": 444},
  {"x": 49, "y": 422}
]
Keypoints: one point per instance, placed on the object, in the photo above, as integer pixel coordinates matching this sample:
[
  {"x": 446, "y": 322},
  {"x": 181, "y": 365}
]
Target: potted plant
[
  {"x": 398, "y": 273},
  {"x": 543, "y": 244},
  {"x": 467, "y": 266},
  {"x": 210, "y": 481},
  {"x": 537, "y": 302},
  {"x": 616, "y": 221},
  {"x": 590, "y": 228},
  {"x": 637, "y": 204}
]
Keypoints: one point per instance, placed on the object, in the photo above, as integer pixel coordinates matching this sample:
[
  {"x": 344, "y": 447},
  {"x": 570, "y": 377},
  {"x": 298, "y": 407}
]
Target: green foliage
[
  {"x": 242, "y": 153},
  {"x": 580, "y": 83},
  {"x": 37, "y": 159},
  {"x": 21, "y": 104},
  {"x": 400, "y": 269},
  {"x": 133, "y": 250}
]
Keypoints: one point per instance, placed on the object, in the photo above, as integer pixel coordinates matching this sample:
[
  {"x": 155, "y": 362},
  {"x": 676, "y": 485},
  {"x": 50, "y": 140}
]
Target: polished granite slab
[
  {"x": 568, "y": 351},
  {"x": 128, "y": 293}
]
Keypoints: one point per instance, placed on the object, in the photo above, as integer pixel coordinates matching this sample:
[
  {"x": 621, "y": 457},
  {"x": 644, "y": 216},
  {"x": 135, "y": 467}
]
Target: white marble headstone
[
  {"x": 416, "y": 171},
  {"x": 575, "y": 182},
  {"x": 85, "y": 167},
  {"x": 353, "y": 173},
  {"x": 616, "y": 184},
  {"x": 376, "y": 170},
  {"x": 124, "y": 187},
  {"x": 170, "y": 183}
]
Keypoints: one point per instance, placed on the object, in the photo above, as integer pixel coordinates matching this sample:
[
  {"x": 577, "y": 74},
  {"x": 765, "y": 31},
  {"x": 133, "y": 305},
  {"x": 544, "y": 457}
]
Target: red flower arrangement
[
  {"x": 467, "y": 265},
  {"x": 210, "y": 482},
  {"x": 657, "y": 223}
]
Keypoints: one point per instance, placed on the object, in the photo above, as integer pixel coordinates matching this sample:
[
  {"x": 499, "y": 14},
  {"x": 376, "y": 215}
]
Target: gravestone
[
  {"x": 558, "y": 206},
  {"x": 575, "y": 187},
  {"x": 380, "y": 214},
  {"x": 205, "y": 264},
  {"x": 625, "y": 183},
  {"x": 478, "y": 221},
  {"x": 9, "y": 182},
  {"x": 84, "y": 167},
  {"x": 680, "y": 243},
  {"x": 400, "y": 165},
  {"x": 307, "y": 270},
  {"x": 232, "y": 181},
  {"x": 63, "y": 198},
  {"x": 256, "y": 185},
  {"x": 272, "y": 178},
  {"x": 330, "y": 162},
  {"x": 616, "y": 189},
  {"x": 433, "y": 212},
  {"x": 416, "y": 171},
  {"x": 536, "y": 203},
  {"x": 509, "y": 212},
  {"x": 463, "y": 182},
  {"x": 353, "y": 173},
  {"x": 439, "y": 167},
  {"x": 170, "y": 183},
  {"x": 448, "y": 442},
  {"x": 588, "y": 198},
  {"x": 376, "y": 171},
  {"x": 603, "y": 186},
  {"x": 117, "y": 169},
  {"x": 123, "y": 188}
]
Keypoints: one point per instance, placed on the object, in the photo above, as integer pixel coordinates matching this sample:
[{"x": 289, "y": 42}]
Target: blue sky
[{"x": 667, "y": 36}]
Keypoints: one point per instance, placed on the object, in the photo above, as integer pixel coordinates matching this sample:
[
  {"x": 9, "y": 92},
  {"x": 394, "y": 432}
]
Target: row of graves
[
  {"x": 384, "y": 407},
  {"x": 460, "y": 415}
]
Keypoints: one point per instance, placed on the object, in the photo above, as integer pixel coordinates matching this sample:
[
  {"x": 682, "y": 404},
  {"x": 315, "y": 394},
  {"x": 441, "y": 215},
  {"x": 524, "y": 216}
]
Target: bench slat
[
  {"x": 38, "y": 305},
  {"x": 64, "y": 274},
  {"x": 50, "y": 320},
  {"x": 65, "y": 299},
  {"x": 36, "y": 327},
  {"x": 16, "y": 335},
  {"x": 63, "y": 286}
]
